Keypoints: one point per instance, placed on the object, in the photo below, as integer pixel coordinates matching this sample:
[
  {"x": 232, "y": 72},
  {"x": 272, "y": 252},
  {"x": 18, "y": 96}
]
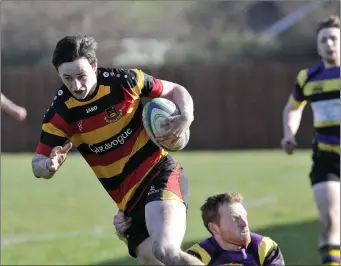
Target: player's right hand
[
  {"x": 19, "y": 113},
  {"x": 121, "y": 223},
  {"x": 288, "y": 144},
  {"x": 58, "y": 156}
]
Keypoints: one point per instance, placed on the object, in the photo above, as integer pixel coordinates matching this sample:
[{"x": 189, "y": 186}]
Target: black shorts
[
  {"x": 326, "y": 166},
  {"x": 168, "y": 182}
]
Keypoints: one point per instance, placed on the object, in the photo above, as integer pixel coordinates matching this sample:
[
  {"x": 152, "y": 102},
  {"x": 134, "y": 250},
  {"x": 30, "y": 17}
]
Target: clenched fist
[
  {"x": 288, "y": 144},
  {"x": 19, "y": 113}
]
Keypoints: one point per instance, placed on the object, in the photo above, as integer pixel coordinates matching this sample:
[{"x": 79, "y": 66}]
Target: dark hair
[
  {"x": 332, "y": 21},
  {"x": 210, "y": 209},
  {"x": 71, "y": 48}
]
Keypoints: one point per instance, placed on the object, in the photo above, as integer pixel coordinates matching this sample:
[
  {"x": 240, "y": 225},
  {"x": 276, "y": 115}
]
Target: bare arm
[
  {"x": 292, "y": 112},
  {"x": 12, "y": 109},
  {"x": 6, "y": 104},
  {"x": 180, "y": 96},
  {"x": 292, "y": 115}
]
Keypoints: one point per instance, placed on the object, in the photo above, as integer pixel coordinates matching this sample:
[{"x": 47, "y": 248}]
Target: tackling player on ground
[
  {"x": 99, "y": 111},
  {"x": 225, "y": 217},
  {"x": 320, "y": 86}
]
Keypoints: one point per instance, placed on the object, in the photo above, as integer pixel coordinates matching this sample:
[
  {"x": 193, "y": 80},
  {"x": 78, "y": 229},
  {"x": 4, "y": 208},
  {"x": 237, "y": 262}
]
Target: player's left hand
[{"x": 174, "y": 126}]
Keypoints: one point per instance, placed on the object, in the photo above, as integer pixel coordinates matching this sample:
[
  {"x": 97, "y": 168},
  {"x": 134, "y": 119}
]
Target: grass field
[{"x": 68, "y": 219}]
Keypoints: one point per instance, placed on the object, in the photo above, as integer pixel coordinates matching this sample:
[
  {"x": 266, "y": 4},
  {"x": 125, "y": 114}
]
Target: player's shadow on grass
[{"x": 298, "y": 243}]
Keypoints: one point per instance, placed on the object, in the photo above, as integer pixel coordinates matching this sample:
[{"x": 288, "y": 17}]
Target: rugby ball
[{"x": 153, "y": 113}]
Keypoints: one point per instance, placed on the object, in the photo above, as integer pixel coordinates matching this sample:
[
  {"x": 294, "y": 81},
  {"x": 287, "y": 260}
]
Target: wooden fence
[{"x": 235, "y": 107}]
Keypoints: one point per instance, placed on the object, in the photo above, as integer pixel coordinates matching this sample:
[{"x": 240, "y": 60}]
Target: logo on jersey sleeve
[{"x": 112, "y": 115}]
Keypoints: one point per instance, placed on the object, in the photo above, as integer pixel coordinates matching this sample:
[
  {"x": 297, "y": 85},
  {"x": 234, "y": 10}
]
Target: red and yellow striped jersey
[{"x": 107, "y": 129}]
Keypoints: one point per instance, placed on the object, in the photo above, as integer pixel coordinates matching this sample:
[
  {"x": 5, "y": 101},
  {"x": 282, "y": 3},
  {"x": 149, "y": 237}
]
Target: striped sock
[{"x": 330, "y": 255}]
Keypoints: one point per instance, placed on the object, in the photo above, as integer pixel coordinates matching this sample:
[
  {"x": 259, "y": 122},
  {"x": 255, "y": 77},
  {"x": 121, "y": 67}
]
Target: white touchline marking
[
  {"x": 15, "y": 240},
  {"x": 19, "y": 239},
  {"x": 260, "y": 202}
]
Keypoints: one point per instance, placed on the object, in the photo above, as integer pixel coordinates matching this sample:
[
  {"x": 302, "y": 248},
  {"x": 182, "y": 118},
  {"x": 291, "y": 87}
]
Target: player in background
[
  {"x": 99, "y": 111},
  {"x": 319, "y": 85},
  {"x": 17, "y": 112},
  {"x": 225, "y": 217}
]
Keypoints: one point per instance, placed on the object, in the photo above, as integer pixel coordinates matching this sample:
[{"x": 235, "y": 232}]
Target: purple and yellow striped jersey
[
  {"x": 107, "y": 130},
  {"x": 320, "y": 87},
  {"x": 261, "y": 251}
]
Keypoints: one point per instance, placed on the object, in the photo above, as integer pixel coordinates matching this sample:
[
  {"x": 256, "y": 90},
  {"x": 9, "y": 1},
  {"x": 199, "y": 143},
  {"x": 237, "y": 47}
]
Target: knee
[
  {"x": 147, "y": 258},
  {"x": 165, "y": 252},
  {"x": 145, "y": 255}
]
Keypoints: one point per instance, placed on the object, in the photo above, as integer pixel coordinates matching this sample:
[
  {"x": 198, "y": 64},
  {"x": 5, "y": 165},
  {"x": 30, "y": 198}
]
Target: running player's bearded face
[
  {"x": 233, "y": 225},
  {"x": 79, "y": 77},
  {"x": 328, "y": 45}
]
